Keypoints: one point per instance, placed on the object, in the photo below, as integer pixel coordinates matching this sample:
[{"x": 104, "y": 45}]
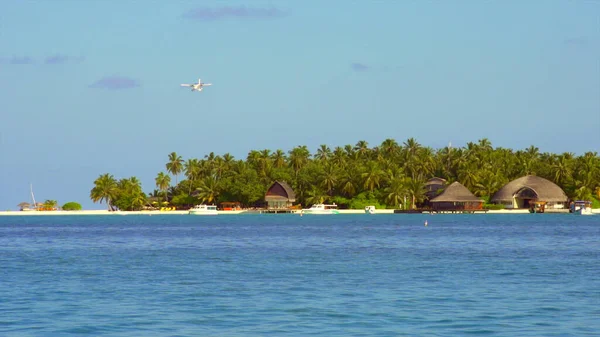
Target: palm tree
[
  {"x": 362, "y": 148},
  {"x": 390, "y": 148},
  {"x": 105, "y": 189},
  {"x": 50, "y": 204},
  {"x": 348, "y": 183},
  {"x": 339, "y": 157},
  {"x": 299, "y": 157},
  {"x": 562, "y": 170},
  {"x": 411, "y": 147},
  {"x": 329, "y": 178},
  {"x": 323, "y": 153},
  {"x": 416, "y": 189},
  {"x": 162, "y": 182},
  {"x": 396, "y": 191},
  {"x": 315, "y": 196},
  {"x": 208, "y": 191},
  {"x": 175, "y": 165},
  {"x": 278, "y": 158},
  {"x": 486, "y": 183},
  {"x": 372, "y": 176},
  {"x": 228, "y": 159}
]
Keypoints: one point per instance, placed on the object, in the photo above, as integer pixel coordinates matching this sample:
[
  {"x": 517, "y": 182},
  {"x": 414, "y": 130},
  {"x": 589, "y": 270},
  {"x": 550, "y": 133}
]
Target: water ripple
[{"x": 504, "y": 275}]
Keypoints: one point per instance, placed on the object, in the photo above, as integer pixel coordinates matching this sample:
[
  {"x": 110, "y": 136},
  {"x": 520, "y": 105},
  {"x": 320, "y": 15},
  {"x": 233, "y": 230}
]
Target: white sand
[{"x": 105, "y": 212}]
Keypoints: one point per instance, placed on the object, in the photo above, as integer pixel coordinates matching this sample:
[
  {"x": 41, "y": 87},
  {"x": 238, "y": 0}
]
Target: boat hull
[
  {"x": 203, "y": 213},
  {"x": 326, "y": 212},
  {"x": 321, "y": 209}
]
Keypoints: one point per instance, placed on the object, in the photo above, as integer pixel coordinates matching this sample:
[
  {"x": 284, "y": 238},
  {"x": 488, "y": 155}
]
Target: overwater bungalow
[
  {"x": 456, "y": 198},
  {"x": 280, "y": 196},
  {"x": 526, "y": 191}
]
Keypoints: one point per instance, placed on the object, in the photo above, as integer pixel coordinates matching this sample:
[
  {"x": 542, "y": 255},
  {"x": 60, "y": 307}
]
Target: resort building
[
  {"x": 456, "y": 197},
  {"x": 280, "y": 195},
  {"x": 433, "y": 187},
  {"x": 527, "y": 190}
]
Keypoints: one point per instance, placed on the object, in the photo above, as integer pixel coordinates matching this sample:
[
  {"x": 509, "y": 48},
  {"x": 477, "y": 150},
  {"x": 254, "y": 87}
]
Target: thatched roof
[
  {"x": 436, "y": 181},
  {"x": 456, "y": 192},
  {"x": 433, "y": 185},
  {"x": 280, "y": 190},
  {"x": 543, "y": 190}
]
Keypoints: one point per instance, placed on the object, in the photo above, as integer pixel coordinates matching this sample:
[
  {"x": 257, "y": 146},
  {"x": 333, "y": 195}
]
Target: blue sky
[{"x": 90, "y": 87}]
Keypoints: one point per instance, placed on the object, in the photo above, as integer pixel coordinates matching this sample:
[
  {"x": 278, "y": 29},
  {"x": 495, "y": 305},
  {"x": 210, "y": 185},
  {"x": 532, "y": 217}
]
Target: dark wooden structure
[
  {"x": 456, "y": 198},
  {"x": 280, "y": 196},
  {"x": 433, "y": 188}
]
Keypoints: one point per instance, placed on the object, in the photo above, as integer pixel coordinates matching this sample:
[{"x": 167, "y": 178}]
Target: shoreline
[{"x": 185, "y": 212}]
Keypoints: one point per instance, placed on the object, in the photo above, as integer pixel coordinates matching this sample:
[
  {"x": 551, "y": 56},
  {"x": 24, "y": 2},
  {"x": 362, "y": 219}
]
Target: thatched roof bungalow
[
  {"x": 434, "y": 186},
  {"x": 280, "y": 195},
  {"x": 521, "y": 192},
  {"x": 456, "y": 197}
]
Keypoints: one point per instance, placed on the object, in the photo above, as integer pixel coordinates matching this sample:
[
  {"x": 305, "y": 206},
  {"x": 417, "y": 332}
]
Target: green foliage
[
  {"x": 365, "y": 199},
  {"x": 104, "y": 190},
  {"x": 595, "y": 203},
  {"x": 183, "y": 200},
  {"x": 358, "y": 175},
  {"x": 50, "y": 204},
  {"x": 125, "y": 194},
  {"x": 343, "y": 203},
  {"x": 71, "y": 206}
]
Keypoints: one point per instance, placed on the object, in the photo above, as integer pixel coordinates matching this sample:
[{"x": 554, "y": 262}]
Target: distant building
[
  {"x": 433, "y": 187},
  {"x": 280, "y": 195},
  {"x": 525, "y": 191},
  {"x": 456, "y": 197}
]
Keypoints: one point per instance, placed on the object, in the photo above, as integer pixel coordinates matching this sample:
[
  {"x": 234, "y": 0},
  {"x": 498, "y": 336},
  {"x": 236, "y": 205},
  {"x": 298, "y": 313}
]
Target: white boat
[
  {"x": 370, "y": 209},
  {"x": 321, "y": 209},
  {"x": 581, "y": 207},
  {"x": 203, "y": 210}
]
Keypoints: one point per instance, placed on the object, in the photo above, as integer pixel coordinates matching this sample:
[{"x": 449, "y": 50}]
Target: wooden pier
[
  {"x": 429, "y": 211},
  {"x": 273, "y": 211}
]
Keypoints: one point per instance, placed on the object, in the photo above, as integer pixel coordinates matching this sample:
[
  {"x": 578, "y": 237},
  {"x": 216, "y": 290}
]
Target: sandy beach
[{"x": 185, "y": 212}]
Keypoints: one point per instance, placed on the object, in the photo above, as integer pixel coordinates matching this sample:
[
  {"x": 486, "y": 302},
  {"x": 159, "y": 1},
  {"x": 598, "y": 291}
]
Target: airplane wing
[{"x": 186, "y": 85}]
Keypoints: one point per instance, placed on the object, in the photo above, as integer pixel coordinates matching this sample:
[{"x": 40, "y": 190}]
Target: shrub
[
  {"x": 365, "y": 199},
  {"x": 595, "y": 203},
  {"x": 71, "y": 206}
]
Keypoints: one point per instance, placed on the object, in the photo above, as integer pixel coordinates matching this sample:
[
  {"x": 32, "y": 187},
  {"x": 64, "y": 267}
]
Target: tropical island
[{"x": 389, "y": 175}]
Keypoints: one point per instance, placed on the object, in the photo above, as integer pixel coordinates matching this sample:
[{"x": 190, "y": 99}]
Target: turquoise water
[{"x": 286, "y": 275}]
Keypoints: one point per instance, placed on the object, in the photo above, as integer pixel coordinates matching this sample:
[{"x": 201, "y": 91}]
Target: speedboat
[
  {"x": 203, "y": 210},
  {"x": 321, "y": 209},
  {"x": 582, "y": 207},
  {"x": 370, "y": 209}
]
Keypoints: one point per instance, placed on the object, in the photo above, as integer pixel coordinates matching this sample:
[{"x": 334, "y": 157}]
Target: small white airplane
[{"x": 197, "y": 86}]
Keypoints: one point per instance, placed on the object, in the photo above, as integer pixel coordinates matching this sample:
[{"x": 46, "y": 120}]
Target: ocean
[{"x": 286, "y": 275}]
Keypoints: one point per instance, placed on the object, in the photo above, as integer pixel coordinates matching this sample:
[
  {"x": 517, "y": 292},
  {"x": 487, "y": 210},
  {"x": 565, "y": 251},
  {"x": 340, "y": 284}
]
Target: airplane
[{"x": 197, "y": 86}]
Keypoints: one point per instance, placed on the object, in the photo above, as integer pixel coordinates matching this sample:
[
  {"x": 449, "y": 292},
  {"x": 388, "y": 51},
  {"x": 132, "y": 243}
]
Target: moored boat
[
  {"x": 203, "y": 210},
  {"x": 582, "y": 207},
  {"x": 321, "y": 209}
]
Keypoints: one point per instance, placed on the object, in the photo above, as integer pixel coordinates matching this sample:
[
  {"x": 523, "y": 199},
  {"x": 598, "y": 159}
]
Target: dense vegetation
[
  {"x": 351, "y": 176},
  {"x": 71, "y": 206}
]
